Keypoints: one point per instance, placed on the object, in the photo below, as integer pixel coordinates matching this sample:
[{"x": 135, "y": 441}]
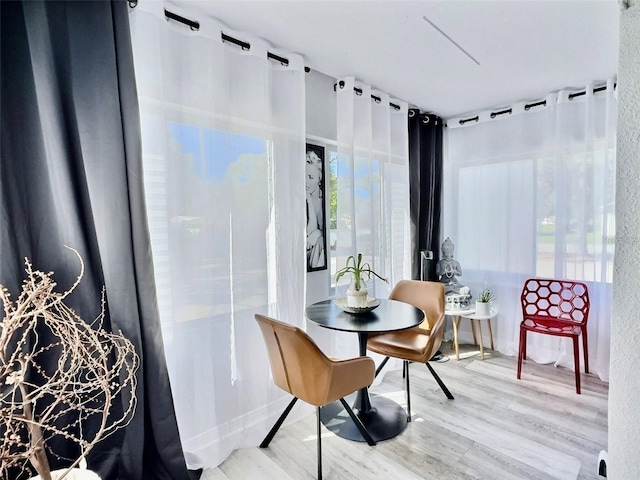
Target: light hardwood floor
[{"x": 497, "y": 428}]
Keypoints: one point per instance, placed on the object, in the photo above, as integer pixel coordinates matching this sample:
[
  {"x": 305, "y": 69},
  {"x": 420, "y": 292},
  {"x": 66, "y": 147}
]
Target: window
[{"x": 206, "y": 202}]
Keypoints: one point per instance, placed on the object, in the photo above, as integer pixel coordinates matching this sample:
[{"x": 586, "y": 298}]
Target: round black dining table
[{"x": 382, "y": 417}]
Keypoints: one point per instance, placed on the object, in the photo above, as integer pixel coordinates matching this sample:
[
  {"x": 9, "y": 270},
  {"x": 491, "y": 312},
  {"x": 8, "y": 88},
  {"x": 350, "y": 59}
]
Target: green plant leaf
[{"x": 354, "y": 266}]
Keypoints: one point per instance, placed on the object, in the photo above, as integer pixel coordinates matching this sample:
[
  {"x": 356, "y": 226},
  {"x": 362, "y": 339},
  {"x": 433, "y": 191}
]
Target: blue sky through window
[
  {"x": 362, "y": 170},
  {"x": 214, "y": 150}
]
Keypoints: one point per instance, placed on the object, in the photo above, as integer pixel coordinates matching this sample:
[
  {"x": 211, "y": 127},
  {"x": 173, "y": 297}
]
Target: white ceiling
[{"x": 525, "y": 48}]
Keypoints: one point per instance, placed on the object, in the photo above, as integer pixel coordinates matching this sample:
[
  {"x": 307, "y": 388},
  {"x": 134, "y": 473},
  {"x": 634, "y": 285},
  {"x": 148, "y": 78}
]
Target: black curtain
[
  {"x": 71, "y": 174},
  {"x": 425, "y": 186}
]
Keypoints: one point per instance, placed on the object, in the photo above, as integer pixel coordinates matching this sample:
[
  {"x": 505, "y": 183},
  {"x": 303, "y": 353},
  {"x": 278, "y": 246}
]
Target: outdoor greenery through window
[
  {"x": 222, "y": 212},
  {"x": 587, "y": 230},
  {"x": 376, "y": 183},
  {"x": 568, "y": 225},
  {"x": 332, "y": 171},
  {"x": 353, "y": 230}
]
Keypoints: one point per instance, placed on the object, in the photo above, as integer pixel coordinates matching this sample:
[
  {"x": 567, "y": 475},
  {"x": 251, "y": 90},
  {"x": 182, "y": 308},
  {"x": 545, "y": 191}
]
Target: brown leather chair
[
  {"x": 418, "y": 344},
  {"x": 302, "y": 369}
]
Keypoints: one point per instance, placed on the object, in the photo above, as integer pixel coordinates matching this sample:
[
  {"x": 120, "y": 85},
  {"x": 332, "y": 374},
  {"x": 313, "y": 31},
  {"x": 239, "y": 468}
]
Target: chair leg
[
  {"x": 585, "y": 349},
  {"x": 522, "y": 350},
  {"x": 363, "y": 431},
  {"x": 406, "y": 371},
  {"x": 440, "y": 382},
  {"x": 381, "y": 366},
  {"x": 276, "y": 426},
  {"x": 319, "y": 444},
  {"x": 576, "y": 362}
]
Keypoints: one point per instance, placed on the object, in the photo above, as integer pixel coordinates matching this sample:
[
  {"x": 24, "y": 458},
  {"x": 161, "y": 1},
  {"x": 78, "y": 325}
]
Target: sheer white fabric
[
  {"x": 372, "y": 177},
  {"x": 223, "y": 133},
  {"x": 532, "y": 193}
]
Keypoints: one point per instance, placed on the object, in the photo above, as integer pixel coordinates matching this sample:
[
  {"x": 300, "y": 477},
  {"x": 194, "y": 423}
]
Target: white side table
[{"x": 457, "y": 315}]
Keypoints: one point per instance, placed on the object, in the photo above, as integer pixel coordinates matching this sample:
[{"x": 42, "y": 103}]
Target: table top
[
  {"x": 471, "y": 313},
  {"x": 389, "y": 316},
  {"x": 460, "y": 312}
]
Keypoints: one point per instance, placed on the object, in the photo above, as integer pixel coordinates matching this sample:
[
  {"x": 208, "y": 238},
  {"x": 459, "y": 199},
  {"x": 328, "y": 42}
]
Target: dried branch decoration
[{"x": 59, "y": 377}]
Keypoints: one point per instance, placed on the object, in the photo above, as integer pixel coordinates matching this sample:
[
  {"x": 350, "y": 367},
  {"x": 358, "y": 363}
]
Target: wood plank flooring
[{"x": 497, "y": 428}]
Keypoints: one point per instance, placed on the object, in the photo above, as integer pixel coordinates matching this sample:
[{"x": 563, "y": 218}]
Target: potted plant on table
[
  {"x": 483, "y": 303},
  {"x": 357, "y": 291},
  {"x": 60, "y": 378}
]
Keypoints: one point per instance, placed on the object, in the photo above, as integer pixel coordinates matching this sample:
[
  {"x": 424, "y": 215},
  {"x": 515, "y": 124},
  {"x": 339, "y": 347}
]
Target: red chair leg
[
  {"x": 585, "y": 349},
  {"x": 522, "y": 349},
  {"x": 576, "y": 362}
]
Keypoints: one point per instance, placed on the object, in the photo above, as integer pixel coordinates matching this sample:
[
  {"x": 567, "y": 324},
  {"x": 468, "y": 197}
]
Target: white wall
[
  {"x": 321, "y": 106},
  {"x": 321, "y": 130},
  {"x": 624, "y": 385}
]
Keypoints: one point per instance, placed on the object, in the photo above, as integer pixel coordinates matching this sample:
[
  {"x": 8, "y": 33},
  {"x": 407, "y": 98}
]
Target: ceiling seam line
[{"x": 450, "y": 39}]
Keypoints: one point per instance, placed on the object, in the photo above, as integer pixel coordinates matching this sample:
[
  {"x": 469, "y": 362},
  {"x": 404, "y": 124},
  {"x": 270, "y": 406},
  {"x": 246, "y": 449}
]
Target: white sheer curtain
[
  {"x": 532, "y": 193},
  {"x": 372, "y": 177},
  {"x": 223, "y": 145},
  {"x": 373, "y": 184}
]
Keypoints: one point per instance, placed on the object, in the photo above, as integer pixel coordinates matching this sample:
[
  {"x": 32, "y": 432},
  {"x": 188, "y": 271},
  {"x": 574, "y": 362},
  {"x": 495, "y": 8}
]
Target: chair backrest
[
  {"x": 298, "y": 365},
  {"x": 428, "y": 297},
  {"x": 553, "y": 298}
]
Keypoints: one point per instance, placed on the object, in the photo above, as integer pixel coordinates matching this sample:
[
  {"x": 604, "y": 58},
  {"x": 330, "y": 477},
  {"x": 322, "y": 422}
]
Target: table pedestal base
[{"x": 385, "y": 420}]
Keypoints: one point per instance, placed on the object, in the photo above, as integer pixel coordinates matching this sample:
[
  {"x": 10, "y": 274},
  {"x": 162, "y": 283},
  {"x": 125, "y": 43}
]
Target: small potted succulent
[
  {"x": 483, "y": 303},
  {"x": 357, "y": 292}
]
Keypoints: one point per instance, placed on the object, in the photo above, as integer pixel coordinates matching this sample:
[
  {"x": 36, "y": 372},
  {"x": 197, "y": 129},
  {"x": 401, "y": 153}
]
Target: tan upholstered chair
[
  {"x": 300, "y": 368},
  {"x": 418, "y": 344}
]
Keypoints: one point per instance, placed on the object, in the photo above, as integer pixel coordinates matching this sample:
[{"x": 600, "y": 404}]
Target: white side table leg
[
  {"x": 490, "y": 334},
  {"x": 480, "y": 339},
  {"x": 456, "y": 323}
]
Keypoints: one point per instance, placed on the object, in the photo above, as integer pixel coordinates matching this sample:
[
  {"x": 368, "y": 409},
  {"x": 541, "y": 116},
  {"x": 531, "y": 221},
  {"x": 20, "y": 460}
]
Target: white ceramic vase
[
  {"x": 357, "y": 298},
  {"x": 483, "y": 308},
  {"x": 74, "y": 474}
]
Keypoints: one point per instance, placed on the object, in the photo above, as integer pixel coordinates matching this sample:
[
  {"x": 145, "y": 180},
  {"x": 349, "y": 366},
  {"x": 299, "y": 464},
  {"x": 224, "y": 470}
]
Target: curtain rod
[
  {"x": 529, "y": 106},
  {"x": 359, "y": 92},
  {"x": 195, "y": 26},
  {"x": 247, "y": 46},
  {"x": 595, "y": 90}
]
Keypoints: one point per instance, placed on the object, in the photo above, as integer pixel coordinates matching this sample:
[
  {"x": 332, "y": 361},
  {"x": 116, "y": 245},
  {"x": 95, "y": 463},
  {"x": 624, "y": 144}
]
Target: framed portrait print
[{"x": 316, "y": 224}]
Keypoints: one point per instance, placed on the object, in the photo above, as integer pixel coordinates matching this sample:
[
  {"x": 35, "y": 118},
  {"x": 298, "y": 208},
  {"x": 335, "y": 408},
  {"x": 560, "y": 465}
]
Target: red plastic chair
[{"x": 555, "y": 307}]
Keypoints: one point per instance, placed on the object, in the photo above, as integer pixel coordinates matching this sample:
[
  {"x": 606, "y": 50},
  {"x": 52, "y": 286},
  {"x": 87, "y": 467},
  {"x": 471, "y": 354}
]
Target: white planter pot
[
  {"x": 483, "y": 308},
  {"x": 357, "y": 298},
  {"x": 74, "y": 474}
]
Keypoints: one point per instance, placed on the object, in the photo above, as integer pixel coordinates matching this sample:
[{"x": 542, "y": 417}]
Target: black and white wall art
[{"x": 316, "y": 218}]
